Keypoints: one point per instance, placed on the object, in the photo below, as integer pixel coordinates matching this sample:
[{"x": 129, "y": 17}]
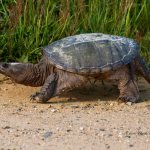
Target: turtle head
[
  {"x": 16, "y": 71},
  {"x": 26, "y": 73}
]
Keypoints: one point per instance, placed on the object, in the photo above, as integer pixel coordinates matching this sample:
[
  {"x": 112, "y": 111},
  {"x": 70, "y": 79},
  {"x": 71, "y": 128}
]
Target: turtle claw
[
  {"x": 127, "y": 99},
  {"x": 36, "y": 97}
]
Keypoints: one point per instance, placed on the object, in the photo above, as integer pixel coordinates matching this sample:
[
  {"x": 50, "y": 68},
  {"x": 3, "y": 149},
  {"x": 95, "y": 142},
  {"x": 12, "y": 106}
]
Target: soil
[{"x": 84, "y": 119}]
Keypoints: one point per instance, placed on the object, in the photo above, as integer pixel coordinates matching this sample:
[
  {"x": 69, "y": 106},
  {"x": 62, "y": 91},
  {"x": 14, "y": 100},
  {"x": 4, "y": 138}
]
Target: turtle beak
[{"x": 3, "y": 67}]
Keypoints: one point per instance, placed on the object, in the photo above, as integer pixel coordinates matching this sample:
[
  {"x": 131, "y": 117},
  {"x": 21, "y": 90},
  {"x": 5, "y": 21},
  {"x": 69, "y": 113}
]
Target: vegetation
[{"x": 27, "y": 25}]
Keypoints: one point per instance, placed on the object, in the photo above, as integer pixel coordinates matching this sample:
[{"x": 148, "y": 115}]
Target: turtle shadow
[{"x": 100, "y": 92}]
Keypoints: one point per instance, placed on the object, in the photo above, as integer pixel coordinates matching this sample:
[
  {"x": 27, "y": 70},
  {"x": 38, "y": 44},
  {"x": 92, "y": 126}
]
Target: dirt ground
[{"x": 83, "y": 119}]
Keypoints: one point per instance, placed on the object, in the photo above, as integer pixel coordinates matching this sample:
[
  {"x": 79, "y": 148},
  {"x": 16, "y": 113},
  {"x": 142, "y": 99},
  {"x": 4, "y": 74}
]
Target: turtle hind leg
[
  {"x": 128, "y": 91},
  {"x": 47, "y": 91},
  {"x": 127, "y": 85}
]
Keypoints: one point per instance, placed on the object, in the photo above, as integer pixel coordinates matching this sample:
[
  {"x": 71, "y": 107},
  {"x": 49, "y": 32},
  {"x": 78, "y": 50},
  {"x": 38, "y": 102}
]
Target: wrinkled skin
[{"x": 54, "y": 81}]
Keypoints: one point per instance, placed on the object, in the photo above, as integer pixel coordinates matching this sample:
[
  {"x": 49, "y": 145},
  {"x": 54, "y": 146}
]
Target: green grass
[{"x": 27, "y": 25}]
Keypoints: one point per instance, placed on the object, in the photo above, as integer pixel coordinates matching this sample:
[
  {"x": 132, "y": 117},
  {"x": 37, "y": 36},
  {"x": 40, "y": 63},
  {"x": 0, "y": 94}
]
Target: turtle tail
[{"x": 142, "y": 67}]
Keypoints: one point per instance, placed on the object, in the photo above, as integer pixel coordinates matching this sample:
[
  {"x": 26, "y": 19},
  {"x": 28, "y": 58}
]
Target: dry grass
[{"x": 15, "y": 12}]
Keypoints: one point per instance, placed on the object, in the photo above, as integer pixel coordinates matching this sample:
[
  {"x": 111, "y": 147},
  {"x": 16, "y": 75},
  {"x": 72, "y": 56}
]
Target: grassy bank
[{"x": 27, "y": 25}]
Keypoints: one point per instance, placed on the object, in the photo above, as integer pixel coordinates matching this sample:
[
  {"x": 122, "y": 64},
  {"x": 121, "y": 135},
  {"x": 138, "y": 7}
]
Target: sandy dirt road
[{"x": 83, "y": 119}]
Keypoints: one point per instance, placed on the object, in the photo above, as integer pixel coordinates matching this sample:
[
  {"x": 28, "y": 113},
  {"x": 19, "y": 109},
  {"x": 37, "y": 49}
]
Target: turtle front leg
[{"x": 47, "y": 91}]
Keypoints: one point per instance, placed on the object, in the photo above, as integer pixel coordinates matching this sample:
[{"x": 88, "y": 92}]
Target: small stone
[
  {"x": 39, "y": 129},
  {"x": 109, "y": 135},
  {"x": 5, "y": 105},
  {"x": 57, "y": 128},
  {"x": 102, "y": 129},
  {"x": 50, "y": 106},
  {"x": 53, "y": 110},
  {"x": 75, "y": 106},
  {"x": 131, "y": 145},
  {"x": 47, "y": 134},
  {"x": 6, "y": 127},
  {"x": 81, "y": 128},
  {"x": 129, "y": 103},
  {"x": 128, "y": 136},
  {"x": 41, "y": 111},
  {"x": 19, "y": 109},
  {"x": 5, "y": 89},
  {"x": 107, "y": 146},
  {"x": 120, "y": 135},
  {"x": 111, "y": 104},
  {"x": 68, "y": 130},
  {"x": 33, "y": 106}
]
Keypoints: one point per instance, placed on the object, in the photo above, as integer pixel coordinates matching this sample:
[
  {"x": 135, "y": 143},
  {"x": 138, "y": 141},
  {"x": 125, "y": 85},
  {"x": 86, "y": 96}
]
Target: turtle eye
[{"x": 5, "y": 65}]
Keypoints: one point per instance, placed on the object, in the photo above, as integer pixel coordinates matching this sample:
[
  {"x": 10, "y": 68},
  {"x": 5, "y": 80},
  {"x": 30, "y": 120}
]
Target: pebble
[
  {"x": 4, "y": 89},
  {"x": 120, "y": 135},
  {"x": 6, "y": 127},
  {"x": 75, "y": 106},
  {"x": 47, "y": 134},
  {"x": 129, "y": 103},
  {"x": 19, "y": 109},
  {"x": 131, "y": 145},
  {"x": 107, "y": 146},
  {"x": 102, "y": 129},
  {"x": 33, "y": 106},
  {"x": 69, "y": 130},
  {"x": 53, "y": 110},
  {"x": 111, "y": 104},
  {"x": 41, "y": 111},
  {"x": 5, "y": 105},
  {"x": 81, "y": 128},
  {"x": 50, "y": 106}
]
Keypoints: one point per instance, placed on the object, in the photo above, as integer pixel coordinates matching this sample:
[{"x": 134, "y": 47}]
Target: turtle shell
[{"x": 91, "y": 53}]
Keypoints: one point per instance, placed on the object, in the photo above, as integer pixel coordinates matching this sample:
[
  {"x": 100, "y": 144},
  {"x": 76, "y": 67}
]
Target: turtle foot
[
  {"x": 37, "y": 97},
  {"x": 129, "y": 100}
]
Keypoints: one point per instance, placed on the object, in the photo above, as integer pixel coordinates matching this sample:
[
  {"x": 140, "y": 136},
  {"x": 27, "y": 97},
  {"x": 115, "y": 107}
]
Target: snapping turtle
[{"x": 72, "y": 61}]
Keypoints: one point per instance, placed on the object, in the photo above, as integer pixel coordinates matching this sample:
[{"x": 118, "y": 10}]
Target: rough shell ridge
[{"x": 91, "y": 53}]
